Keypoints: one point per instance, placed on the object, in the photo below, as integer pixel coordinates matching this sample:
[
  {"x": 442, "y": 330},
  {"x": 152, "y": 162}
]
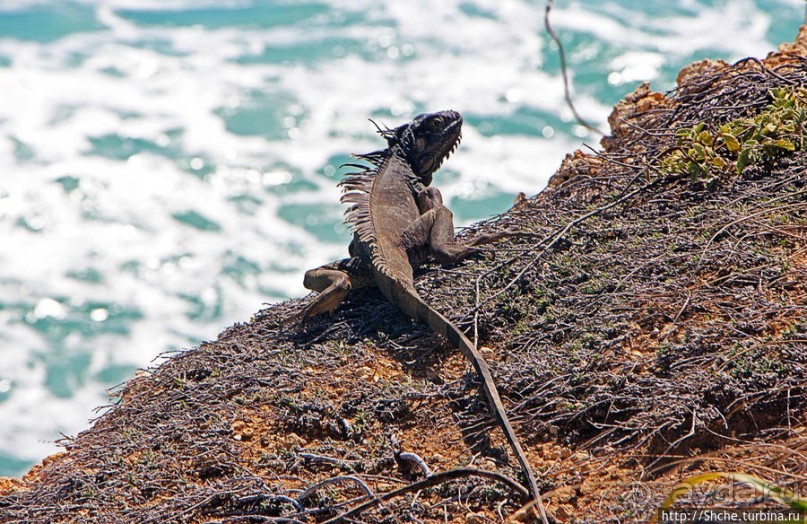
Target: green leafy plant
[
  {"x": 776, "y": 130},
  {"x": 695, "y": 154}
]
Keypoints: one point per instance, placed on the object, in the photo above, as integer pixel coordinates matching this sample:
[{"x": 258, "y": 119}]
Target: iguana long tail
[{"x": 410, "y": 302}]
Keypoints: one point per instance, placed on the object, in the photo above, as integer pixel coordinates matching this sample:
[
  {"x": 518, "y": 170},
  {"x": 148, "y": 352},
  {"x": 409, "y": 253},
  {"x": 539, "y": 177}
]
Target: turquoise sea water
[{"x": 167, "y": 166}]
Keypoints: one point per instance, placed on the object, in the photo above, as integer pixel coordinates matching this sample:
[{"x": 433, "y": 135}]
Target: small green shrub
[{"x": 778, "y": 129}]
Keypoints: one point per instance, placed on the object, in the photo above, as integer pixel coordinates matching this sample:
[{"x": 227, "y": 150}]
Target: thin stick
[
  {"x": 437, "y": 478},
  {"x": 564, "y": 72},
  {"x": 337, "y": 480}
]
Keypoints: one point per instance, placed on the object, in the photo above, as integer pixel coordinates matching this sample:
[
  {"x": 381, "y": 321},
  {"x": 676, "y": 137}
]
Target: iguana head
[{"x": 426, "y": 141}]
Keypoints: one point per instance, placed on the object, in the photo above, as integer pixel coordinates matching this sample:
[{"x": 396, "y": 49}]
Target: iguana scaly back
[{"x": 399, "y": 222}]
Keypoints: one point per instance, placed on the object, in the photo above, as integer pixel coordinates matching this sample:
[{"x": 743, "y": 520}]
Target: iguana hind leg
[{"x": 333, "y": 282}]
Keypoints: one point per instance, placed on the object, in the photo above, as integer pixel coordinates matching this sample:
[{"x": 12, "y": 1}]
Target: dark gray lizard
[{"x": 398, "y": 223}]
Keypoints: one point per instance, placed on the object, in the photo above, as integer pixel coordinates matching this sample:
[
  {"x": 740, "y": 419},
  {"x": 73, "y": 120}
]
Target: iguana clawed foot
[
  {"x": 333, "y": 282},
  {"x": 333, "y": 286}
]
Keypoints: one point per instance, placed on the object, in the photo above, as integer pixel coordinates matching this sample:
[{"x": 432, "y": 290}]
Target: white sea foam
[{"x": 120, "y": 220}]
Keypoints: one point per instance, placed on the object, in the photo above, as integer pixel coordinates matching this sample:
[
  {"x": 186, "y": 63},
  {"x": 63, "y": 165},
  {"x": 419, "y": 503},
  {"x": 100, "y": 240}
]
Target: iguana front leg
[
  {"x": 434, "y": 230},
  {"x": 333, "y": 282}
]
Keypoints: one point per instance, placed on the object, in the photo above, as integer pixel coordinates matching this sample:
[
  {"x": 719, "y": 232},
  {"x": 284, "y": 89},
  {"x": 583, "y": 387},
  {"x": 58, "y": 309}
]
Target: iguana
[{"x": 398, "y": 222}]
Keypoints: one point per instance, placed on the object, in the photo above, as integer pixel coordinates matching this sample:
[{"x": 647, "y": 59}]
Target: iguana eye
[{"x": 434, "y": 125}]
